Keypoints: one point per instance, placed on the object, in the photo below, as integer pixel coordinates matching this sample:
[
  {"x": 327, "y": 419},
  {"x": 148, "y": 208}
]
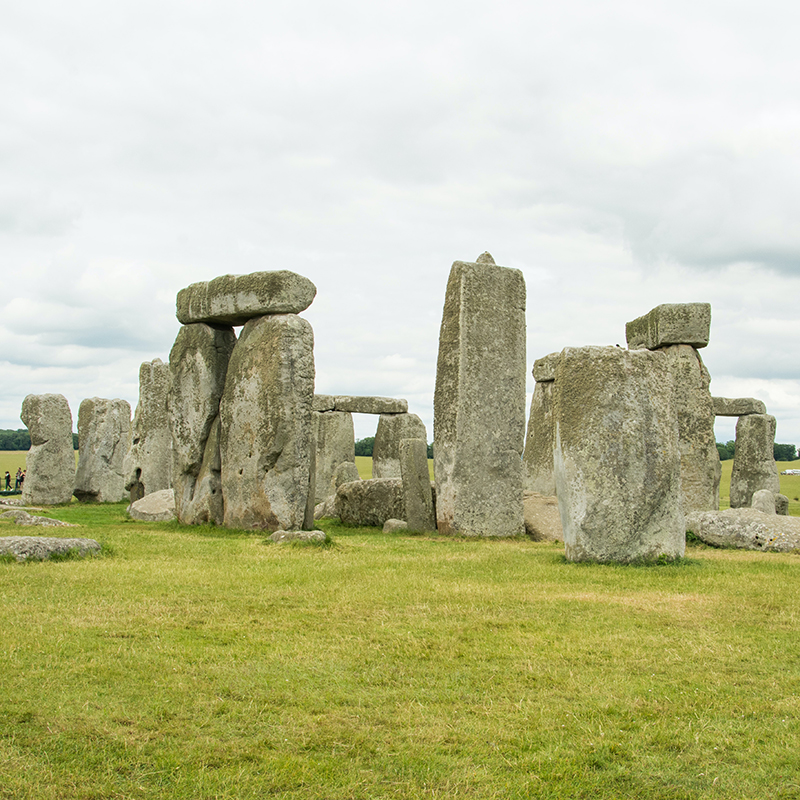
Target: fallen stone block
[
  {"x": 154, "y": 507},
  {"x": 671, "y": 323},
  {"x": 370, "y": 405},
  {"x": 234, "y": 299},
  {"x": 542, "y": 518},
  {"x": 395, "y": 525},
  {"x": 41, "y": 548},
  {"x": 764, "y": 501},
  {"x": 280, "y": 537},
  {"x": 745, "y": 528},
  {"x": 370, "y": 503},
  {"x": 738, "y": 406}
]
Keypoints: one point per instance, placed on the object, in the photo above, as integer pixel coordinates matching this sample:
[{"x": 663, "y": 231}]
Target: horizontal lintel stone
[
  {"x": 544, "y": 368},
  {"x": 370, "y": 405},
  {"x": 738, "y": 406},
  {"x": 668, "y": 324}
]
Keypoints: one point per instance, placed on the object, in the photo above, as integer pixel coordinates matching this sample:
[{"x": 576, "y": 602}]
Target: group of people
[{"x": 18, "y": 481}]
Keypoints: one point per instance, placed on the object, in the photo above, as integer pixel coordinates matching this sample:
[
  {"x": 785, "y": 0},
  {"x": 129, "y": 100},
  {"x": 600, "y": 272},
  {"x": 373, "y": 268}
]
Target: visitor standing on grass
[
  {"x": 18, "y": 479},
  {"x": 8, "y": 481}
]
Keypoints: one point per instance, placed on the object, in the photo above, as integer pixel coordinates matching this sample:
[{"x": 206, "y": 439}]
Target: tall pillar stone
[
  {"x": 417, "y": 494},
  {"x": 335, "y": 445},
  {"x": 149, "y": 460},
  {"x": 616, "y": 458},
  {"x": 104, "y": 438},
  {"x": 538, "y": 456},
  {"x": 392, "y": 429},
  {"x": 50, "y": 465},
  {"x": 479, "y": 401},
  {"x": 754, "y": 465},
  {"x": 266, "y": 433},
  {"x": 198, "y": 365}
]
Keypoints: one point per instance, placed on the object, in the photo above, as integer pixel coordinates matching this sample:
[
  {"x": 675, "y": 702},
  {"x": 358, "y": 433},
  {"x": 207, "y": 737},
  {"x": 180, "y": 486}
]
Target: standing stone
[
  {"x": 479, "y": 402},
  {"x": 266, "y": 425},
  {"x": 198, "y": 365},
  {"x": 104, "y": 438},
  {"x": 148, "y": 464},
  {"x": 538, "y": 456},
  {"x": 417, "y": 495},
  {"x": 392, "y": 429},
  {"x": 617, "y": 462},
  {"x": 754, "y": 465},
  {"x": 335, "y": 445},
  {"x": 764, "y": 501},
  {"x": 50, "y": 465},
  {"x": 700, "y": 467}
]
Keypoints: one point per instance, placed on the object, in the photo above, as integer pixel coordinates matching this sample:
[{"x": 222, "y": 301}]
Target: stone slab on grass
[
  {"x": 21, "y": 517},
  {"x": 297, "y": 536},
  {"x": 154, "y": 507},
  {"x": 370, "y": 503},
  {"x": 671, "y": 323},
  {"x": 745, "y": 528},
  {"x": 234, "y": 299},
  {"x": 41, "y": 548}
]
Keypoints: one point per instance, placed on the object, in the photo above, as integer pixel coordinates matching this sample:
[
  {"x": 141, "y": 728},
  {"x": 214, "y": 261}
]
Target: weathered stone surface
[
  {"x": 335, "y": 445},
  {"x": 50, "y": 476},
  {"x": 395, "y": 525},
  {"x": 40, "y": 548},
  {"x": 370, "y": 503},
  {"x": 537, "y": 459},
  {"x": 764, "y": 501},
  {"x": 297, "y": 536},
  {"x": 370, "y": 405},
  {"x": 104, "y": 437},
  {"x": 479, "y": 402},
  {"x": 345, "y": 472},
  {"x": 148, "y": 464},
  {"x": 323, "y": 402},
  {"x": 155, "y": 507},
  {"x": 745, "y": 528},
  {"x": 544, "y": 369},
  {"x": 267, "y": 430},
  {"x": 671, "y": 323},
  {"x": 198, "y": 365},
  {"x": 417, "y": 495},
  {"x": 234, "y": 299},
  {"x": 617, "y": 462},
  {"x": 392, "y": 429},
  {"x": 738, "y": 406},
  {"x": 754, "y": 465},
  {"x": 700, "y": 467},
  {"x": 542, "y": 518},
  {"x": 781, "y": 504},
  {"x": 21, "y": 517}
]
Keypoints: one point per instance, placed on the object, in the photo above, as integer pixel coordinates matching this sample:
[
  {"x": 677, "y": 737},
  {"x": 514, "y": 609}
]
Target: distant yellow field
[{"x": 364, "y": 464}]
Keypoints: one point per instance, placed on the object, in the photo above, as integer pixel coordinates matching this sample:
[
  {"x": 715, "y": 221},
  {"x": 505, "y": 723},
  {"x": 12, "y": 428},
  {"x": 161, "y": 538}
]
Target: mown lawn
[{"x": 203, "y": 663}]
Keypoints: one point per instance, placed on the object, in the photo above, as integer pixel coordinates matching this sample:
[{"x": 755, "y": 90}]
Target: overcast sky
[{"x": 621, "y": 154}]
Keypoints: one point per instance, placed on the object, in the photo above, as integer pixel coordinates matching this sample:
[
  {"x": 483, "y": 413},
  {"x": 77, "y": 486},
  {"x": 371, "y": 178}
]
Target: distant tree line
[
  {"x": 20, "y": 439},
  {"x": 781, "y": 452},
  {"x": 364, "y": 447}
]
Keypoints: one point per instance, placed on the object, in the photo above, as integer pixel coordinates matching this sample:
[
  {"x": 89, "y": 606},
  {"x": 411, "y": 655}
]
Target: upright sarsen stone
[
  {"x": 538, "y": 456},
  {"x": 392, "y": 429},
  {"x": 617, "y": 462},
  {"x": 50, "y": 470},
  {"x": 754, "y": 465},
  {"x": 479, "y": 401},
  {"x": 198, "y": 365},
  {"x": 149, "y": 460},
  {"x": 266, "y": 432},
  {"x": 335, "y": 445},
  {"x": 104, "y": 437},
  {"x": 417, "y": 494}
]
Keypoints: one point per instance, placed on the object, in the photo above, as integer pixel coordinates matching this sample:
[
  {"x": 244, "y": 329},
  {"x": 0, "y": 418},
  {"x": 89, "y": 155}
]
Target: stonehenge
[{"x": 754, "y": 465}]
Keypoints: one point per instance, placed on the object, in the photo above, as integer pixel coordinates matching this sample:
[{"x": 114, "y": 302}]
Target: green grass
[
  {"x": 790, "y": 485},
  {"x": 364, "y": 465},
  {"x": 202, "y": 663}
]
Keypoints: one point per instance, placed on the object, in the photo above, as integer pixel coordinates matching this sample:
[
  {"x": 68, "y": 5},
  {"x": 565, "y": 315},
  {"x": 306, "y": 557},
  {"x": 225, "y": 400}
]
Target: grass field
[
  {"x": 364, "y": 465},
  {"x": 203, "y": 663}
]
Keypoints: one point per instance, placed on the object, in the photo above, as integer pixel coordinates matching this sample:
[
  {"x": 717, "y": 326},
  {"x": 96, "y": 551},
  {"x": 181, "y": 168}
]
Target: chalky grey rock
[
  {"x": 395, "y": 525},
  {"x": 417, "y": 495},
  {"x": 297, "y": 536},
  {"x": 21, "y": 517},
  {"x": 745, "y": 528},
  {"x": 104, "y": 436},
  {"x": 198, "y": 365},
  {"x": 41, "y": 548},
  {"x": 266, "y": 434},
  {"x": 335, "y": 445},
  {"x": 544, "y": 369},
  {"x": 50, "y": 477},
  {"x": 479, "y": 402},
  {"x": 537, "y": 459},
  {"x": 700, "y": 467},
  {"x": 148, "y": 464},
  {"x": 542, "y": 518},
  {"x": 764, "y": 501},
  {"x": 738, "y": 406},
  {"x": 617, "y": 462},
  {"x": 370, "y": 405},
  {"x": 671, "y": 323},
  {"x": 781, "y": 504},
  {"x": 323, "y": 402},
  {"x": 234, "y": 299},
  {"x": 370, "y": 503},
  {"x": 154, "y": 507},
  {"x": 392, "y": 428},
  {"x": 345, "y": 472},
  {"x": 754, "y": 465}
]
